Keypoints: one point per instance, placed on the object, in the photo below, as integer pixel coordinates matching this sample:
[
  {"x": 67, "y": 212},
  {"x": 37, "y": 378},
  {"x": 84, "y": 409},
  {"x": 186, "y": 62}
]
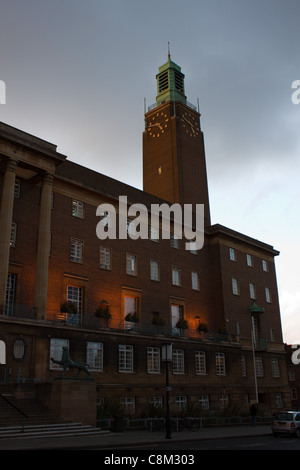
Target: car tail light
[{"x": 292, "y": 425}]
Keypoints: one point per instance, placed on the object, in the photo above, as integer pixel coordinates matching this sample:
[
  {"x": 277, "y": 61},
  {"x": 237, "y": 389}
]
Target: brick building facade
[{"x": 50, "y": 256}]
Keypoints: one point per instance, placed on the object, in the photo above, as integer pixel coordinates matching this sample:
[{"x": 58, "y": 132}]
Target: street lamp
[{"x": 166, "y": 356}]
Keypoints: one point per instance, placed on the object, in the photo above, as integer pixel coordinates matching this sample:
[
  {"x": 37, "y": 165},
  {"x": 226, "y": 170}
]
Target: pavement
[{"x": 127, "y": 439}]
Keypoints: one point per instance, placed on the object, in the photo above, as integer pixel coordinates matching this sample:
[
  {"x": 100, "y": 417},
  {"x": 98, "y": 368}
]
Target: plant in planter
[
  {"x": 158, "y": 321},
  {"x": 182, "y": 324},
  {"x": 69, "y": 307},
  {"x": 133, "y": 317},
  {"x": 103, "y": 312},
  {"x": 202, "y": 327}
]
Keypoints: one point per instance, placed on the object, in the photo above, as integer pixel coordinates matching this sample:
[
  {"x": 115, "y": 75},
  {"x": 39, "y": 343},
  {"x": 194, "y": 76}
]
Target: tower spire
[{"x": 169, "y": 54}]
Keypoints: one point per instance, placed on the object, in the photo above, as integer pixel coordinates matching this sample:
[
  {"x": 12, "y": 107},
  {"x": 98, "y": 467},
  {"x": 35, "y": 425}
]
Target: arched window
[
  {"x": 19, "y": 348},
  {"x": 2, "y": 352}
]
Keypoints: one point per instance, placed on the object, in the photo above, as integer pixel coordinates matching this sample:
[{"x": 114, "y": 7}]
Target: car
[{"x": 286, "y": 422}]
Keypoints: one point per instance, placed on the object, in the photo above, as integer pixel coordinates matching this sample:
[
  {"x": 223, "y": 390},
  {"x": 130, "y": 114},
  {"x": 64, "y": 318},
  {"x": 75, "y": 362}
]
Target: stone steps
[{"x": 48, "y": 430}]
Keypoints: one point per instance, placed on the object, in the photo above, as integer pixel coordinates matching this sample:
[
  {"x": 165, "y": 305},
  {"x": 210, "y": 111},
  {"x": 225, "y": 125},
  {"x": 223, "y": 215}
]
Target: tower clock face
[
  {"x": 190, "y": 124},
  {"x": 157, "y": 124}
]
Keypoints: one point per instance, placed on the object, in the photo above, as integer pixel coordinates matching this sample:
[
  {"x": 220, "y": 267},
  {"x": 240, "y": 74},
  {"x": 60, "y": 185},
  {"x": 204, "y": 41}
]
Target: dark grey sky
[{"x": 77, "y": 73}]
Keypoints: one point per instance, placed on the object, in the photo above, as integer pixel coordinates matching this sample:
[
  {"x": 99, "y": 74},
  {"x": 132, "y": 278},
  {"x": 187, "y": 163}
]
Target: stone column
[
  {"x": 43, "y": 248},
  {"x": 6, "y": 216}
]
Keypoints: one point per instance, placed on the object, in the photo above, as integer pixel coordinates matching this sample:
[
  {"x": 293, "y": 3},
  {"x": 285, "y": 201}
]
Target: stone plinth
[{"x": 72, "y": 400}]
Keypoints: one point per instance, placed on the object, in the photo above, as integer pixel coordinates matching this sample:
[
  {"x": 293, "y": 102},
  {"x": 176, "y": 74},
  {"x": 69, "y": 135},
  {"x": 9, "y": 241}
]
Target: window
[
  {"x": 275, "y": 367},
  {"x": 10, "y": 294},
  {"x": 244, "y": 366},
  {"x": 125, "y": 358},
  {"x": 154, "y": 270},
  {"x": 264, "y": 265},
  {"x": 128, "y": 405},
  {"x": 156, "y": 401},
  {"x": 178, "y": 361},
  {"x": 177, "y": 313},
  {"x": 232, "y": 254},
  {"x": 259, "y": 367},
  {"x": 249, "y": 260},
  {"x": 220, "y": 364},
  {"x": 204, "y": 402},
  {"x": 224, "y": 400},
  {"x": 131, "y": 311},
  {"x": 181, "y": 402},
  {"x": 74, "y": 296},
  {"x": 13, "y": 234},
  {"x": 235, "y": 286},
  {"x": 77, "y": 209},
  {"x": 17, "y": 189},
  {"x": 176, "y": 276},
  {"x": 153, "y": 360},
  {"x": 76, "y": 250},
  {"x": 174, "y": 240},
  {"x": 159, "y": 170},
  {"x": 94, "y": 356},
  {"x": 268, "y": 295},
  {"x": 252, "y": 290},
  {"x": 195, "y": 281},
  {"x": 2, "y": 352},
  {"x": 56, "y": 350},
  {"x": 200, "y": 362},
  {"x": 131, "y": 265},
  {"x": 105, "y": 258}
]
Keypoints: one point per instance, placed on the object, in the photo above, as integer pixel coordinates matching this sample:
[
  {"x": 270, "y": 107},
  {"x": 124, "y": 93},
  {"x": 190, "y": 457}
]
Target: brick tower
[{"x": 174, "y": 166}]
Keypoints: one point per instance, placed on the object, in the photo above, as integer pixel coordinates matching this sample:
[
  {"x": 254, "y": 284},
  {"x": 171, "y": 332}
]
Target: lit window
[{"x": 74, "y": 296}]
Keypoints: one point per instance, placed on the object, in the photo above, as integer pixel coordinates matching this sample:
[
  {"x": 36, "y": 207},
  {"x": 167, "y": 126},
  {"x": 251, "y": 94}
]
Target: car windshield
[{"x": 285, "y": 416}]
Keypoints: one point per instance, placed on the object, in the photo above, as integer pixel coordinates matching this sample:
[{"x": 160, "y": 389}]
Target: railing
[
  {"x": 155, "y": 105},
  {"x": 12, "y": 405}
]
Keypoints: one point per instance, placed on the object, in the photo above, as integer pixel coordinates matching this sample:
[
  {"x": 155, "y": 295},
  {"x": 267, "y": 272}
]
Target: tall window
[
  {"x": 177, "y": 313},
  {"x": 220, "y": 364},
  {"x": 76, "y": 250},
  {"x": 232, "y": 254},
  {"x": 56, "y": 350},
  {"x": 94, "y": 356},
  {"x": 275, "y": 367},
  {"x": 125, "y": 358},
  {"x": 77, "y": 209},
  {"x": 154, "y": 270},
  {"x": 200, "y": 362},
  {"x": 259, "y": 367},
  {"x": 153, "y": 360},
  {"x": 181, "y": 402},
  {"x": 10, "y": 294},
  {"x": 235, "y": 286},
  {"x": 178, "y": 361},
  {"x": 13, "y": 234},
  {"x": 264, "y": 265},
  {"x": 176, "y": 276},
  {"x": 195, "y": 281},
  {"x": 268, "y": 295},
  {"x": 244, "y": 366},
  {"x": 249, "y": 260},
  {"x": 75, "y": 296},
  {"x": 105, "y": 258},
  {"x": 131, "y": 264},
  {"x": 252, "y": 290},
  {"x": 174, "y": 241}
]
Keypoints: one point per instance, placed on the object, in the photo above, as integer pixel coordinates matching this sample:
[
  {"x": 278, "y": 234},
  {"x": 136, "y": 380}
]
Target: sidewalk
[{"x": 126, "y": 439}]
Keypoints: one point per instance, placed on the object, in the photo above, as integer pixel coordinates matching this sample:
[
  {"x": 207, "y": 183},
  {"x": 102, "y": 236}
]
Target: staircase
[{"x": 36, "y": 421}]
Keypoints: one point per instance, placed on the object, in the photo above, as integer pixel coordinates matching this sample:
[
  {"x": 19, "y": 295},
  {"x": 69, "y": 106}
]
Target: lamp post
[{"x": 166, "y": 356}]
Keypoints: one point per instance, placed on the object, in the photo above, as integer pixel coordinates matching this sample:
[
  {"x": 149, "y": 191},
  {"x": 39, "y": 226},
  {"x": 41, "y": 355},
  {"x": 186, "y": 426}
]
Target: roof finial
[{"x": 169, "y": 54}]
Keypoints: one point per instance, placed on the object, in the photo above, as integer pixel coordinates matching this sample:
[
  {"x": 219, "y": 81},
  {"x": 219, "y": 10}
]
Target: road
[{"x": 236, "y": 443}]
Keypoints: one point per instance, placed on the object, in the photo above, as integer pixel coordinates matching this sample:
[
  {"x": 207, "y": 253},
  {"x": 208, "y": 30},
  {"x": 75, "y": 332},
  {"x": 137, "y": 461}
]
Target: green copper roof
[
  {"x": 255, "y": 309},
  {"x": 170, "y": 83}
]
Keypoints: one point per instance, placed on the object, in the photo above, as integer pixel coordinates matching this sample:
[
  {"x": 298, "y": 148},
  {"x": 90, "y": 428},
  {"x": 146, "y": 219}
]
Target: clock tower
[{"x": 174, "y": 166}]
